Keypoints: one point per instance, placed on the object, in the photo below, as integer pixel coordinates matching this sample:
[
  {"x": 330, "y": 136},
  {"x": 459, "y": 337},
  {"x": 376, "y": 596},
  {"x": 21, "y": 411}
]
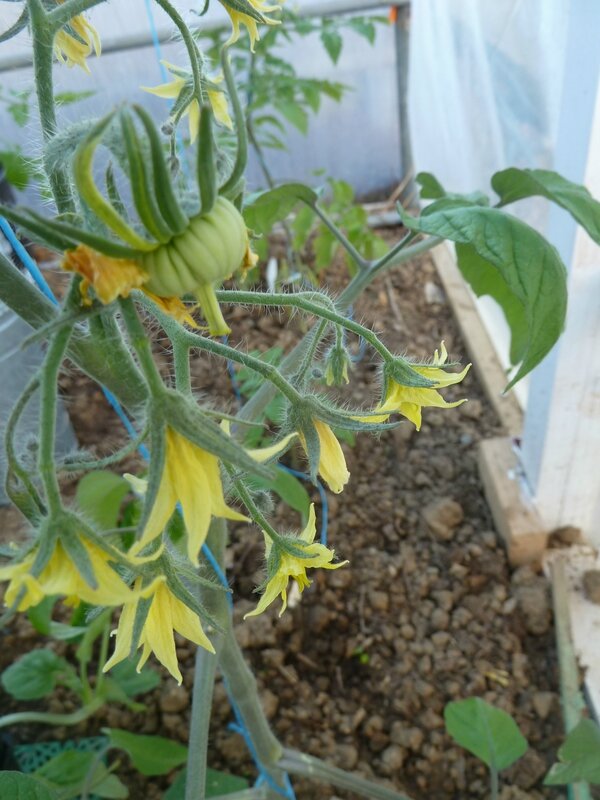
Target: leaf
[
  {"x": 294, "y": 114},
  {"x": 289, "y": 488},
  {"x": 364, "y": 27},
  {"x": 431, "y": 188},
  {"x": 133, "y": 682},
  {"x": 15, "y": 168},
  {"x": 99, "y": 495},
  {"x": 36, "y": 674},
  {"x": 489, "y": 733},
  {"x": 17, "y": 786},
  {"x": 516, "y": 184},
  {"x": 40, "y": 616},
  {"x": 332, "y": 42},
  {"x": 151, "y": 755},
  {"x": 579, "y": 756},
  {"x": 66, "y": 98},
  {"x": 501, "y": 256},
  {"x": 217, "y": 783},
  {"x": 69, "y": 770},
  {"x": 263, "y": 209}
]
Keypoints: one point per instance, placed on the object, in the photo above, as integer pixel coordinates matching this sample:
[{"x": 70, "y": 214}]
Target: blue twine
[{"x": 156, "y": 41}]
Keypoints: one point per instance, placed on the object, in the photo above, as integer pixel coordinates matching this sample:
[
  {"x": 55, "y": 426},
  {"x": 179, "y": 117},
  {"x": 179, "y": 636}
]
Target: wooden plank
[
  {"x": 514, "y": 513},
  {"x": 478, "y": 343}
]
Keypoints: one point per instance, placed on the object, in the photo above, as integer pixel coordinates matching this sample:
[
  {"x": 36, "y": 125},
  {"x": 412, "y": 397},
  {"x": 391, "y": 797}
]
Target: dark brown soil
[{"x": 359, "y": 671}]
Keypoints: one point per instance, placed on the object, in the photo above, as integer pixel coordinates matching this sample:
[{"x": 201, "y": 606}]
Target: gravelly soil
[{"x": 427, "y": 612}]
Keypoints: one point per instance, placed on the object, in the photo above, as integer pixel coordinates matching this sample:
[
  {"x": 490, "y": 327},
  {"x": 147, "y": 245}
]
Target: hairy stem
[
  {"x": 141, "y": 344},
  {"x": 43, "y": 718}
]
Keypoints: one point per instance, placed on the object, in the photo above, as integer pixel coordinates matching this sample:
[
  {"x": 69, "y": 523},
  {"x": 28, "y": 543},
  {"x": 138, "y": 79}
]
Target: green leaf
[
  {"x": 16, "y": 168},
  {"x": 263, "y": 209},
  {"x": 40, "y": 616},
  {"x": 489, "y": 733},
  {"x": 294, "y": 114},
  {"x": 579, "y": 756},
  {"x": 17, "y": 786},
  {"x": 99, "y": 495},
  {"x": 516, "y": 184},
  {"x": 71, "y": 769},
  {"x": 332, "y": 42},
  {"x": 66, "y": 98},
  {"x": 289, "y": 488},
  {"x": 217, "y": 783},
  {"x": 109, "y": 787},
  {"x": 151, "y": 755},
  {"x": 133, "y": 682},
  {"x": 364, "y": 27},
  {"x": 431, "y": 188},
  {"x": 36, "y": 674},
  {"x": 501, "y": 256}
]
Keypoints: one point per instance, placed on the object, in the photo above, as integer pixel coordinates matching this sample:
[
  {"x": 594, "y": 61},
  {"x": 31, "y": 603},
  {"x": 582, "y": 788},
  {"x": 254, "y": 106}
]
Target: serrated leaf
[
  {"x": 516, "y": 184},
  {"x": 263, "y": 209},
  {"x": 522, "y": 271},
  {"x": 151, "y": 755},
  {"x": 332, "y": 42},
  {"x": 579, "y": 756},
  {"x": 16, "y": 786},
  {"x": 36, "y": 674},
  {"x": 488, "y": 732},
  {"x": 99, "y": 495}
]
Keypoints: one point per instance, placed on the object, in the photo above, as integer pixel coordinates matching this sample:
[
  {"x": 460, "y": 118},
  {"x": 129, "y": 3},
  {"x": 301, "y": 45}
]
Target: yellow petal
[
  {"x": 332, "y": 462},
  {"x": 220, "y": 109},
  {"x": 169, "y": 91},
  {"x": 309, "y": 532},
  {"x": 157, "y": 632},
  {"x": 262, "y": 454},
  {"x": 194, "y": 120},
  {"x": 164, "y": 505},
  {"x": 276, "y": 586},
  {"x": 174, "y": 307},
  {"x": 187, "y": 623},
  {"x": 109, "y": 277},
  {"x": 124, "y": 635}
]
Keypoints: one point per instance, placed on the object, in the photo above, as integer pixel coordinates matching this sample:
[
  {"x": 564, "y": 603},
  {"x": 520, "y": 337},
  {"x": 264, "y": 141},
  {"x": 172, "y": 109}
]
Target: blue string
[{"x": 156, "y": 41}]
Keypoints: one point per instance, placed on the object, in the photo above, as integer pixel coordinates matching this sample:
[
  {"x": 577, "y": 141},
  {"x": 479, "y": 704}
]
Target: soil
[{"x": 428, "y": 610}]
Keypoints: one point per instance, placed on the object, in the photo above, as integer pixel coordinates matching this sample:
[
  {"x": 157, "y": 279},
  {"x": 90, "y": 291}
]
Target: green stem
[
  {"x": 103, "y": 656},
  {"x": 360, "y": 262},
  {"x": 48, "y": 403},
  {"x": 22, "y": 717},
  {"x": 43, "y": 32},
  {"x": 181, "y": 358},
  {"x": 204, "y": 673},
  {"x": 141, "y": 344},
  {"x": 190, "y": 45},
  {"x": 101, "y": 463},
  {"x": 60, "y": 16},
  {"x": 241, "y": 156},
  {"x": 297, "y": 301},
  {"x": 494, "y": 784},
  {"x": 12, "y": 459},
  {"x": 311, "y": 767},
  {"x": 317, "y": 335},
  {"x": 257, "y": 516}
]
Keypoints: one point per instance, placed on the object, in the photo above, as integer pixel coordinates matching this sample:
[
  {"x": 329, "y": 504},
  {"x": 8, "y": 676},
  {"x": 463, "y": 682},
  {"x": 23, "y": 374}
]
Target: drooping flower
[
  {"x": 191, "y": 477},
  {"x": 60, "y": 576},
  {"x": 76, "y": 41},
  {"x": 238, "y": 17},
  {"x": 332, "y": 462},
  {"x": 166, "y": 614},
  {"x": 294, "y": 566},
  {"x": 409, "y": 400},
  {"x": 117, "y": 277},
  {"x": 181, "y": 79}
]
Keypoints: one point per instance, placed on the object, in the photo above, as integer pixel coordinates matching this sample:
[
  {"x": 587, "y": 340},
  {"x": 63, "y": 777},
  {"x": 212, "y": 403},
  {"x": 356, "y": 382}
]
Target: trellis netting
[{"x": 485, "y": 89}]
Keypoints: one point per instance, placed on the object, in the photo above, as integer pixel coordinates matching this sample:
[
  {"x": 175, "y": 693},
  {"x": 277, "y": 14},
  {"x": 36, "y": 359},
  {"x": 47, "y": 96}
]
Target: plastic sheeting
[{"x": 485, "y": 89}]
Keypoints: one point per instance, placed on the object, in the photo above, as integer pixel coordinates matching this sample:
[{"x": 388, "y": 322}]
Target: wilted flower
[{"x": 75, "y": 42}]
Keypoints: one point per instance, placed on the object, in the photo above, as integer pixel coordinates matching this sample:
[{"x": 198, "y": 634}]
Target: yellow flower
[
  {"x": 166, "y": 614},
  {"x": 291, "y": 566},
  {"x": 239, "y": 18},
  {"x": 332, "y": 462},
  {"x": 61, "y": 577},
  {"x": 192, "y": 478},
  {"x": 73, "y": 50},
  {"x": 408, "y": 400},
  {"x": 117, "y": 277},
  {"x": 173, "y": 89}
]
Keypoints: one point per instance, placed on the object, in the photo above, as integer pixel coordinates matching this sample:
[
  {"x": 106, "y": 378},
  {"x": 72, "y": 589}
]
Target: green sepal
[
  {"x": 207, "y": 177},
  {"x": 302, "y": 421},
  {"x": 401, "y": 371},
  {"x": 41, "y": 230},
  {"x": 318, "y": 408},
  {"x": 113, "y": 192},
  {"x": 71, "y": 541},
  {"x": 337, "y": 362},
  {"x": 177, "y": 588},
  {"x": 45, "y": 544},
  {"x": 241, "y": 155},
  {"x": 140, "y": 180},
  {"x": 184, "y": 416},
  {"x": 84, "y": 180},
  {"x": 163, "y": 189},
  {"x": 158, "y": 448},
  {"x": 244, "y": 7},
  {"x": 141, "y": 614}
]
